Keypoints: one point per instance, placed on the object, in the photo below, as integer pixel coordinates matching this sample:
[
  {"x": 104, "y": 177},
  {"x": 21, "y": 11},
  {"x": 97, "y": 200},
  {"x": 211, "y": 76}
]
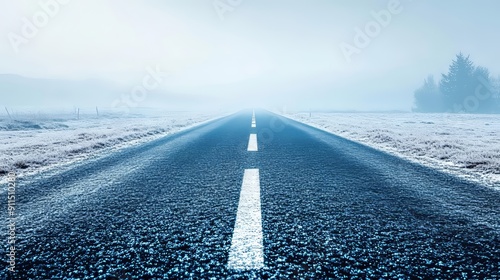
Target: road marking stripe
[
  {"x": 247, "y": 249},
  {"x": 252, "y": 143},
  {"x": 253, "y": 119}
]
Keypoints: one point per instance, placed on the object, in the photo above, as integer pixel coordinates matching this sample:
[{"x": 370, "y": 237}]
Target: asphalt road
[{"x": 330, "y": 209}]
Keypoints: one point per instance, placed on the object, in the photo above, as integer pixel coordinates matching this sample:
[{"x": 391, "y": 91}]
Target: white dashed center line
[
  {"x": 252, "y": 143},
  {"x": 247, "y": 250},
  {"x": 254, "y": 124}
]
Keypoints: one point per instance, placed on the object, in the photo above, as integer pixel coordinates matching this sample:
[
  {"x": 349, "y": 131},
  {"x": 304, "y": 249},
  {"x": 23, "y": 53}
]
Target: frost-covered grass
[
  {"x": 463, "y": 144},
  {"x": 30, "y": 142}
]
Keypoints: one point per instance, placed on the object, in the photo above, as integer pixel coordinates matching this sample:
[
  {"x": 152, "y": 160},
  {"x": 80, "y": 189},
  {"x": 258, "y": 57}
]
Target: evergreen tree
[
  {"x": 484, "y": 92},
  {"x": 495, "y": 99},
  {"x": 459, "y": 83},
  {"x": 428, "y": 99},
  {"x": 496, "y": 95}
]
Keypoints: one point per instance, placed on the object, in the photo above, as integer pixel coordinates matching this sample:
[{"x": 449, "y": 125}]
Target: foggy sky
[{"x": 270, "y": 53}]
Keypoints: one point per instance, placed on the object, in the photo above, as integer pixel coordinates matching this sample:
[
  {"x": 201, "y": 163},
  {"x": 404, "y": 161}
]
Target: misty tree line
[{"x": 464, "y": 89}]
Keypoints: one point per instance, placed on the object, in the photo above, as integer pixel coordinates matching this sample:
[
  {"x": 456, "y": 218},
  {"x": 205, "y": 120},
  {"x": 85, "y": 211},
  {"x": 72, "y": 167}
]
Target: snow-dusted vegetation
[
  {"x": 463, "y": 144},
  {"x": 33, "y": 140}
]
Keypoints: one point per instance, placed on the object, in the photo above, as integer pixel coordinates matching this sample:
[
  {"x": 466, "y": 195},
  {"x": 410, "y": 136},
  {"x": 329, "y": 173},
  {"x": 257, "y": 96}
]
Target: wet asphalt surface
[{"x": 331, "y": 209}]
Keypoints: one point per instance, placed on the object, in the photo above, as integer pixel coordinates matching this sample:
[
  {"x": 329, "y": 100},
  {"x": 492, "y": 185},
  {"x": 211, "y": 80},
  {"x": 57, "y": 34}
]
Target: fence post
[{"x": 7, "y": 110}]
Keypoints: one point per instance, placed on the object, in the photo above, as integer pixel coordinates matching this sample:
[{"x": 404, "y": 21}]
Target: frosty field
[
  {"x": 462, "y": 144},
  {"x": 34, "y": 141}
]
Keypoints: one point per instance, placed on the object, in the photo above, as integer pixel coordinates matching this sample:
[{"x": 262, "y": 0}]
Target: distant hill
[{"x": 17, "y": 90}]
